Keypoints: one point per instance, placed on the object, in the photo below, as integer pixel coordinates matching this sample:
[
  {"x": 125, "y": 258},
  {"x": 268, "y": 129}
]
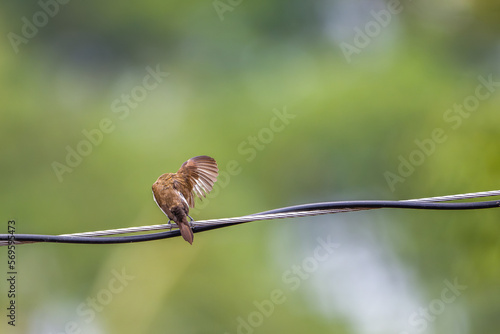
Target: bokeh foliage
[{"x": 353, "y": 119}]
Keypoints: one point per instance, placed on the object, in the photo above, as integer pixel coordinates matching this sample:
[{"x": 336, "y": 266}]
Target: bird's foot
[
  {"x": 191, "y": 222},
  {"x": 170, "y": 228}
]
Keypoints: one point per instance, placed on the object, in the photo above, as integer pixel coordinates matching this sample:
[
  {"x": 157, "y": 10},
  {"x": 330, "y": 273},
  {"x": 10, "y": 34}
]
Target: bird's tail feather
[
  {"x": 186, "y": 231},
  {"x": 180, "y": 217}
]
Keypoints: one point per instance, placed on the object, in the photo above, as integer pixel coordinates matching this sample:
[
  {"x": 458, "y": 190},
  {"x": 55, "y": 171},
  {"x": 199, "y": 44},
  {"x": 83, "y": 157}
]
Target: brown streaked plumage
[{"x": 174, "y": 192}]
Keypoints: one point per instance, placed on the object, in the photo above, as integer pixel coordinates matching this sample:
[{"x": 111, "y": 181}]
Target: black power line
[{"x": 286, "y": 212}]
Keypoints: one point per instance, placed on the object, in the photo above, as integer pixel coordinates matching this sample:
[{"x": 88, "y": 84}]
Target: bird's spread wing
[{"x": 200, "y": 174}]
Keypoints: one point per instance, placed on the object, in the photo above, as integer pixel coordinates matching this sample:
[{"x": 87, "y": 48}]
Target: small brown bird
[{"x": 174, "y": 192}]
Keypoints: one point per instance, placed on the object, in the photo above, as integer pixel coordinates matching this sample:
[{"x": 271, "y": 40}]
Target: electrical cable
[{"x": 302, "y": 210}]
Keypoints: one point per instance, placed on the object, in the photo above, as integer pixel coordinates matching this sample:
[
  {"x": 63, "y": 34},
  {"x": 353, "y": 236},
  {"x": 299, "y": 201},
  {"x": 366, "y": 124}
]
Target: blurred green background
[{"x": 385, "y": 100}]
